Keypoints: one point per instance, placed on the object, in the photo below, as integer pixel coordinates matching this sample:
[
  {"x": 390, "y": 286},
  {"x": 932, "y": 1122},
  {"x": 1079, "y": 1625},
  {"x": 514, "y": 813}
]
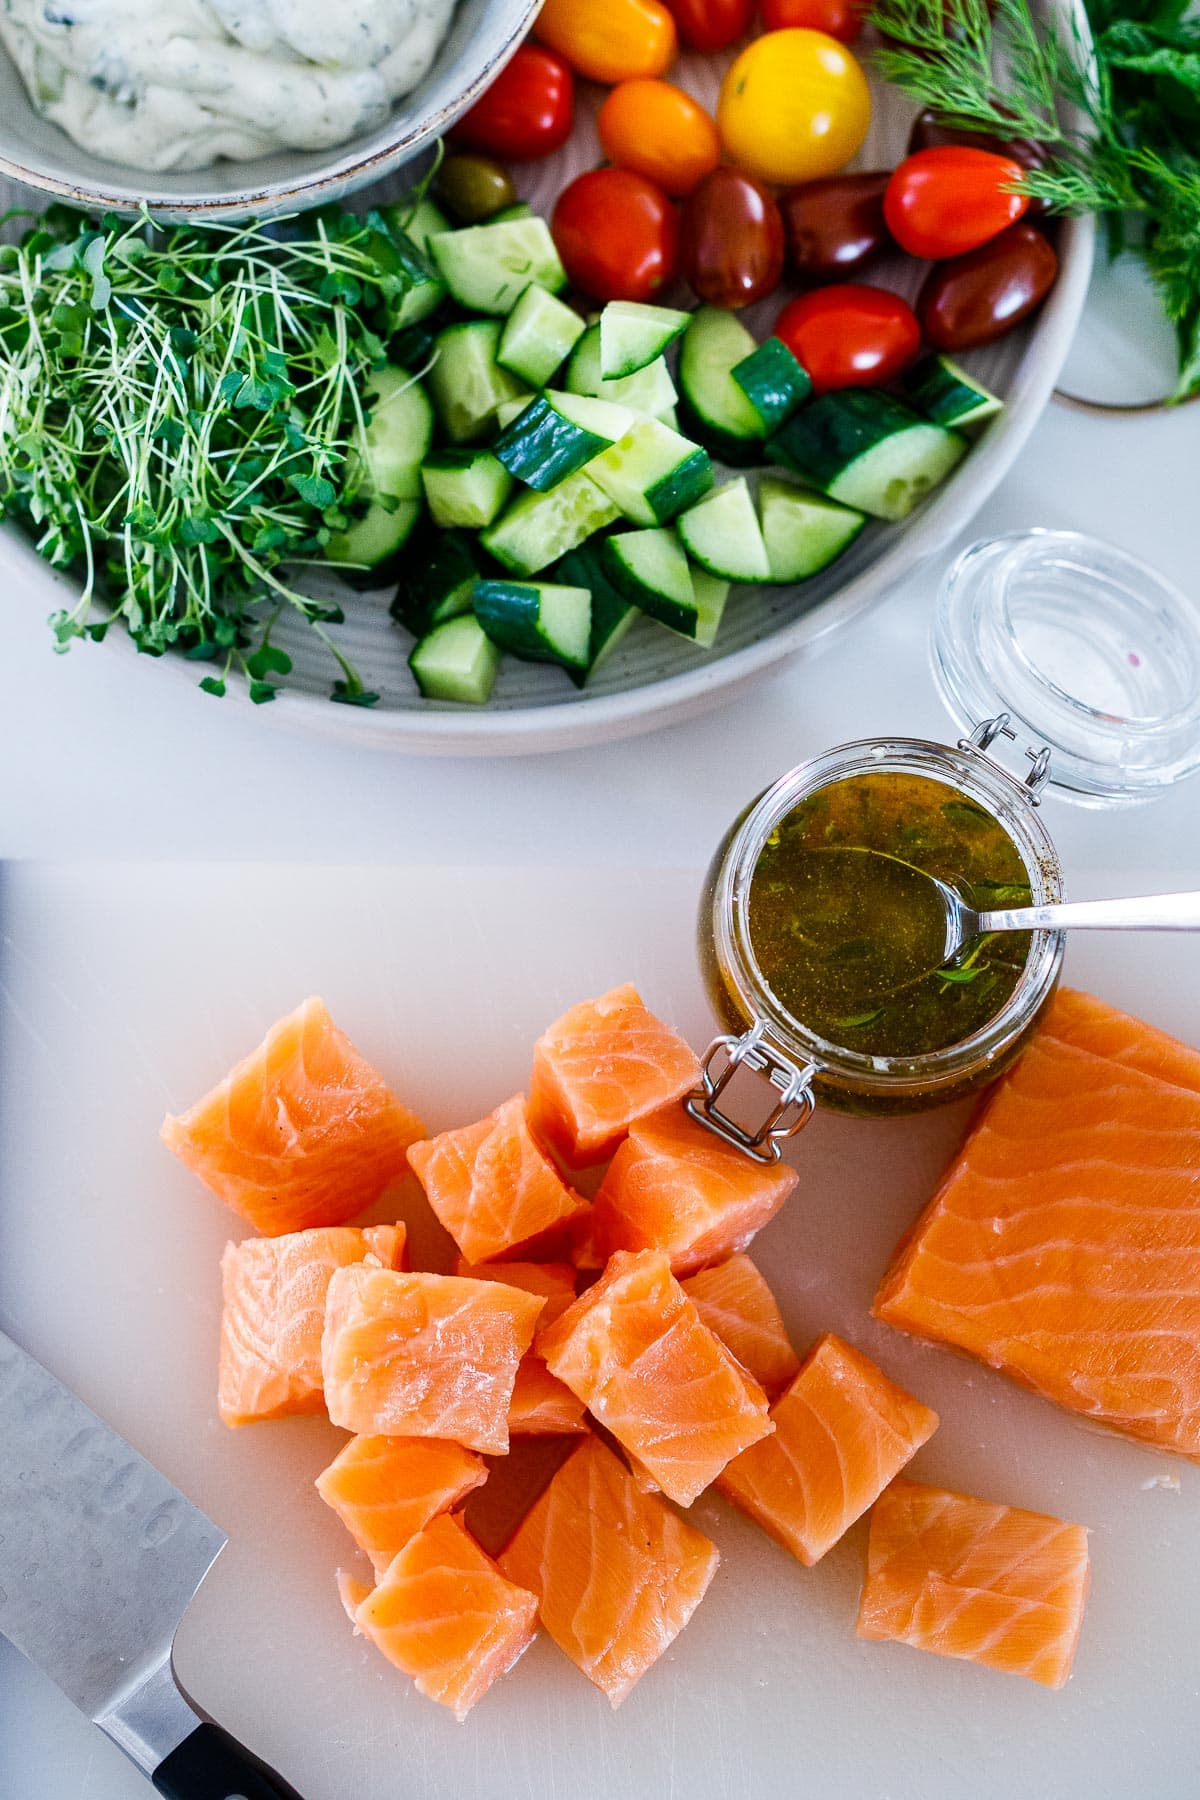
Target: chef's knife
[{"x": 99, "y": 1557}]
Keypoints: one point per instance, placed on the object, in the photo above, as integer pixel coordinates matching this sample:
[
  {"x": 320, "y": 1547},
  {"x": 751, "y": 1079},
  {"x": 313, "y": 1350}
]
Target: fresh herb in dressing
[
  {"x": 850, "y": 942},
  {"x": 178, "y": 84}
]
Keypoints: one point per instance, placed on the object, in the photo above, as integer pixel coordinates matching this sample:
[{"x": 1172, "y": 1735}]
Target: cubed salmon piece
[
  {"x": 970, "y": 1578},
  {"x": 541, "y": 1406},
  {"x": 274, "y": 1313},
  {"x": 386, "y": 1489},
  {"x": 445, "y": 1614},
  {"x": 492, "y": 1186},
  {"x": 424, "y": 1355},
  {"x": 303, "y": 1132},
  {"x": 602, "y": 1065},
  {"x": 842, "y": 1431},
  {"x": 674, "y": 1186},
  {"x": 635, "y": 1351},
  {"x": 617, "y": 1573},
  {"x": 734, "y": 1300}
]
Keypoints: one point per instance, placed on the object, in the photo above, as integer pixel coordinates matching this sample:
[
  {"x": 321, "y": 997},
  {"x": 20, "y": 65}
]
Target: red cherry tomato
[
  {"x": 711, "y": 24},
  {"x": 527, "y": 112},
  {"x": 841, "y": 19},
  {"x": 850, "y": 336},
  {"x": 617, "y": 234},
  {"x": 946, "y": 201}
]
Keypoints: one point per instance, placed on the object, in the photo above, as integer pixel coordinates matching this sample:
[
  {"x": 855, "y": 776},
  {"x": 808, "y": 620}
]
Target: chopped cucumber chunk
[
  {"x": 465, "y": 487},
  {"x": 556, "y": 434},
  {"x": 612, "y": 614},
  {"x": 652, "y": 473},
  {"x": 417, "y": 220},
  {"x": 467, "y": 384},
  {"x": 650, "y": 391},
  {"x": 537, "y": 621},
  {"x": 717, "y": 410},
  {"x": 711, "y": 594},
  {"x": 803, "y": 531},
  {"x": 535, "y": 529},
  {"x": 867, "y": 450},
  {"x": 539, "y": 334},
  {"x": 384, "y": 460},
  {"x": 723, "y": 535},
  {"x": 437, "y": 580},
  {"x": 773, "y": 382},
  {"x": 457, "y": 660},
  {"x": 945, "y": 394},
  {"x": 633, "y": 334},
  {"x": 650, "y": 569},
  {"x": 374, "y": 541},
  {"x": 488, "y": 267}
]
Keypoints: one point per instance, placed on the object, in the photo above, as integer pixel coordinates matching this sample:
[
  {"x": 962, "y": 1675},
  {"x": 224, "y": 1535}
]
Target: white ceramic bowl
[{"x": 482, "y": 37}]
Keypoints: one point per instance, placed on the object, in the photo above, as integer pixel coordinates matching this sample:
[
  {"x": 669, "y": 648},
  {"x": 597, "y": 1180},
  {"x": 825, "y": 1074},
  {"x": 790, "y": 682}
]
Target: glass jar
[{"x": 1102, "y": 660}]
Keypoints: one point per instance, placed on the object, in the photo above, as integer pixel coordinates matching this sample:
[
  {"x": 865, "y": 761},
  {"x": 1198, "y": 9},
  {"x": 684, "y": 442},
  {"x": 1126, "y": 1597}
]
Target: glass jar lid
[{"x": 1089, "y": 651}]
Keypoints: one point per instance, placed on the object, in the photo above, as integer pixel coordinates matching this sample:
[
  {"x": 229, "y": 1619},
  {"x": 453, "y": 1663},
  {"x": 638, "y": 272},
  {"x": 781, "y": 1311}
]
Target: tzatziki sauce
[{"x": 178, "y": 84}]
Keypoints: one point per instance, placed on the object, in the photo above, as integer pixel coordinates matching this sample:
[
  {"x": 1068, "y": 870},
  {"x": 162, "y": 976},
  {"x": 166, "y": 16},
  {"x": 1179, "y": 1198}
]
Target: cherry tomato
[
  {"x": 834, "y": 227},
  {"x": 609, "y": 40},
  {"x": 794, "y": 106},
  {"x": 711, "y": 24},
  {"x": 975, "y": 299},
  {"x": 617, "y": 234},
  {"x": 660, "y": 132},
  {"x": 840, "y": 19},
  {"x": 930, "y": 133},
  {"x": 947, "y": 201},
  {"x": 850, "y": 336},
  {"x": 527, "y": 112},
  {"x": 731, "y": 239}
]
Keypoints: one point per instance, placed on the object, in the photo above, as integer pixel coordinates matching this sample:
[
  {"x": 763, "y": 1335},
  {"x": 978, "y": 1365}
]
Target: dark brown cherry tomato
[
  {"x": 850, "y": 336},
  {"x": 841, "y": 19},
  {"x": 617, "y": 234},
  {"x": 930, "y": 133},
  {"x": 975, "y": 299},
  {"x": 473, "y": 187},
  {"x": 731, "y": 239},
  {"x": 711, "y": 24},
  {"x": 527, "y": 112},
  {"x": 835, "y": 226},
  {"x": 947, "y": 201}
]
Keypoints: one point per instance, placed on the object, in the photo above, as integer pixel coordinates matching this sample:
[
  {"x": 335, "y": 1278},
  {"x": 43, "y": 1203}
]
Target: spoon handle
[{"x": 1151, "y": 912}]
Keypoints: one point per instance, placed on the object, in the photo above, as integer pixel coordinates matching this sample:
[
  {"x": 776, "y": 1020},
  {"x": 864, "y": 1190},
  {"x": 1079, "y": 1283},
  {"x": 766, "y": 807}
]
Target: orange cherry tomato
[
  {"x": 609, "y": 40},
  {"x": 660, "y": 132}
]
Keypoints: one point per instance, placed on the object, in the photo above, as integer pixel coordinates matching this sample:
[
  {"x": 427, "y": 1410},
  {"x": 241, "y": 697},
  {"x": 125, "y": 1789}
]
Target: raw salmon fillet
[
  {"x": 617, "y": 1573},
  {"x": 1063, "y": 1245},
  {"x": 493, "y": 1188},
  {"x": 444, "y": 1614},
  {"x": 303, "y": 1132},
  {"x": 674, "y": 1186},
  {"x": 968, "y": 1578},
  {"x": 635, "y": 1351},
  {"x": 735, "y": 1302},
  {"x": 602, "y": 1065},
  {"x": 274, "y": 1313},
  {"x": 842, "y": 1431},
  {"x": 386, "y": 1489},
  {"x": 424, "y": 1355},
  {"x": 541, "y": 1405}
]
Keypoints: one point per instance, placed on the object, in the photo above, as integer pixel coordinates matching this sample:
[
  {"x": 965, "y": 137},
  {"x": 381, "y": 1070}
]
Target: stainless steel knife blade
[{"x": 99, "y": 1557}]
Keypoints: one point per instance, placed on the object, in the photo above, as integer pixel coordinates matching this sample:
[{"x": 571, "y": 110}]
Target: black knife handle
[{"x": 211, "y": 1765}]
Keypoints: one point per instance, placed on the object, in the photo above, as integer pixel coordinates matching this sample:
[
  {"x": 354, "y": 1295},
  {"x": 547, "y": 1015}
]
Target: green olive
[{"x": 473, "y": 188}]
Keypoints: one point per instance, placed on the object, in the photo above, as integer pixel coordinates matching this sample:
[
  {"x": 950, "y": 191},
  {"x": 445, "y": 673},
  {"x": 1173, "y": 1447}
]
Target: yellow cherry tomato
[
  {"x": 794, "y": 106},
  {"x": 609, "y": 40},
  {"x": 660, "y": 132}
]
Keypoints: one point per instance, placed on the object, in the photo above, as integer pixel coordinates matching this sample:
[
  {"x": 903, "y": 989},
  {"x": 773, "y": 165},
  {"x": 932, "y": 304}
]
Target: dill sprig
[
  {"x": 175, "y": 409},
  {"x": 1119, "y": 118}
]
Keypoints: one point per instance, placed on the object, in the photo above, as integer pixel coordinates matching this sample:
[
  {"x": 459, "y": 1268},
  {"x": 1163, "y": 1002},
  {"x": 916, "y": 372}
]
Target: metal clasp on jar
[
  {"x": 985, "y": 735},
  {"x": 792, "y": 1082}
]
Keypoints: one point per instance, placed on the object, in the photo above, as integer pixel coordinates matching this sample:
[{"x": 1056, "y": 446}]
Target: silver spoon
[{"x": 1149, "y": 912}]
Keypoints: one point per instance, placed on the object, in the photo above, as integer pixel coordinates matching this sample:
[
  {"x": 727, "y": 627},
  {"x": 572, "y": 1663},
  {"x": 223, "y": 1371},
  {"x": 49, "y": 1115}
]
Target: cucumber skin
[
  {"x": 834, "y": 430},
  {"x": 683, "y": 487},
  {"x": 679, "y": 618},
  {"x": 541, "y": 448},
  {"x": 510, "y": 614},
  {"x": 773, "y": 381},
  {"x": 945, "y": 395},
  {"x": 441, "y": 564}
]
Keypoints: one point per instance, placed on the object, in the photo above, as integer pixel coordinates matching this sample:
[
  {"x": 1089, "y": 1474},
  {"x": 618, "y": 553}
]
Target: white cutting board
[{"x": 128, "y": 990}]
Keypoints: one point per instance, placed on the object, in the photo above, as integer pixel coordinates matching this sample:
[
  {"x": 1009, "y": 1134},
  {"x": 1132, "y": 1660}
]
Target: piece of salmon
[
  {"x": 493, "y": 1187},
  {"x": 617, "y": 1573},
  {"x": 386, "y": 1489},
  {"x": 541, "y": 1405},
  {"x": 444, "y": 1614},
  {"x": 636, "y": 1352},
  {"x": 969, "y": 1578},
  {"x": 351, "y": 1592},
  {"x": 303, "y": 1132},
  {"x": 424, "y": 1355},
  {"x": 674, "y": 1186},
  {"x": 1063, "y": 1245},
  {"x": 269, "y": 1362},
  {"x": 602, "y": 1065},
  {"x": 735, "y": 1302},
  {"x": 843, "y": 1430}
]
